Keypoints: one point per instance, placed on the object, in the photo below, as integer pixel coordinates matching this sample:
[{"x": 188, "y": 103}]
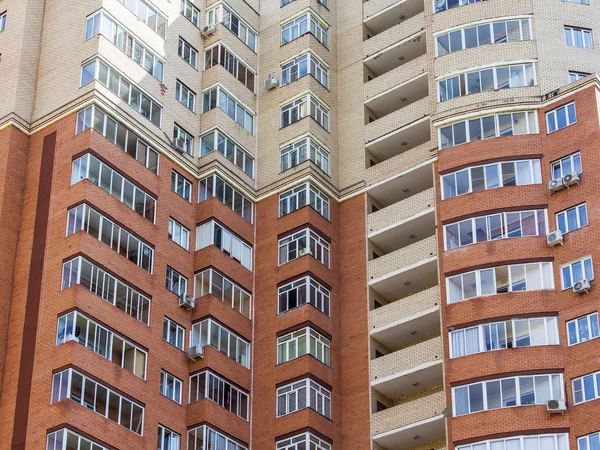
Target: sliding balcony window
[
  {"x": 213, "y": 233},
  {"x": 94, "y": 396},
  {"x": 304, "y": 242},
  {"x": 305, "y": 291},
  {"x": 102, "y": 23},
  {"x": 190, "y": 12},
  {"x": 147, "y": 14},
  {"x": 91, "y": 168},
  {"x": 86, "y": 218},
  {"x": 204, "y": 437},
  {"x": 220, "y": 54},
  {"x": 576, "y": 271},
  {"x": 307, "y": 105},
  {"x": 488, "y": 127},
  {"x": 185, "y": 137},
  {"x": 212, "y": 282},
  {"x": 303, "y": 441},
  {"x": 496, "y": 226},
  {"x": 528, "y": 442},
  {"x": 2, "y": 22},
  {"x": 443, "y": 5},
  {"x": 77, "y": 327},
  {"x": 572, "y": 219},
  {"x": 170, "y": 386},
  {"x": 307, "y": 64},
  {"x": 215, "y": 186},
  {"x": 118, "y": 134},
  {"x": 223, "y": 14},
  {"x": 101, "y": 283},
  {"x": 185, "y": 96},
  {"x": 307, "y": 23},
  {"x": 66, "y": 439},
  {"x": 219, "y": 97},
  {"x": 496, "y": 32},
  {"x": 173, "y": 333},
  {"x": 583, "y": 329},
  {"x": 305, "y": 341},
  {"x": 589, "y": 442},
  {"x": 491, "y": 176},
  {"x": 578, "y": 37},
  {"x": 223, "y": 393},
  {"x": 561, "y": 118},
  {"x": 209, "y": 332},
  {"x": 294, "y": 199},
  {"x": 217, "y": 140},
  {"x": 515, "y": 333},
  {"x": 507, "y": 393},
  {"x": 485, "y": 80},
  {"x": 301, "y": 395},
  {"x": 167, "y": 439},
  {"x": 500, "y": 280},
  {"x": 305, "y": 149},
  {"x": 176, "y": 283},
  {"x": 181, "y": 186},
  {"x": 576, "y": 76},
  {"x": 564, "y": 166},
  {"x": 586, "y": 388},
  {"x": 188, "y": 53},
  {"x": 179, "y": 234}
]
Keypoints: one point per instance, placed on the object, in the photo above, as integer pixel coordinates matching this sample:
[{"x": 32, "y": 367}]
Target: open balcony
[
  {"x": 381, "y": 15},
  {"x": 394, "y": 78},
  {"x": 401, "y": 118},
  {"x": 412, "y": 133}
]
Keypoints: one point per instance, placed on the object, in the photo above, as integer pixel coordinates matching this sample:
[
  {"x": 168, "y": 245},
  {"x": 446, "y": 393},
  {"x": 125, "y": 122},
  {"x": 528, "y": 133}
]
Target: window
[
  {"x": 300, "y": 108},
  {"x": 589, "y": 442},
  {"x": 173, "y": 333},
  {"x": 304, "y": 291},
  {"x": 186, "y": 138},
  {"x": 66, "y": 439},
  {"x": 234, "y": 23},
  {"x": 570, "y": 164},
  {"x": 489, "y": 79},
  {"x": 305, "y": 341},
  {"x": 176, "y": 282},
  {"x": 179, "y": 234},
  {"x": 303, "y": 394},
  {"x": 506, "y": 393},
  {"x": 305, "y": 149},
  {"x": 215, "y": 186},
  {"x": 561, "y": 118},
  {"x": 586, "y": 388},
  {"x": 209, "y": 332},
  {"x": 216, "y": 140},
  {"x": 578, "y": 37},
  {"x": 204, "y": 437},
  {"x": 170, "y": 386},
  {"x": 167, "y": 439},
  {"x": 77, "y": 327},
  {"x": 86, "y": 218},
  {"x": 2, "y": 22},
  {"x": 91, "y": 168},
  {"x": 190, "y": 12},
  {"x": 497, "y": 125},
  {"x": 123, "y": 88},
  {"x": 581, "y": 2},
  {"x": 528, "y": 442},
  {"x": 575, "y": 76},
  {"x": 491, "y": 176},
  {"x": 500, "y": 280},
  {"x": 496, "y": 32},
  {"x": 443, "y": 5},
  {"x": 295, "y": 199},
  {"x": 583, "y": 329},
  {"x": 220, "y": 54},
  {"x": 213, "y": 233},
  {"x": 513, "y": 333},
  {"x": 101, "y": 283},
  {"x": 118, "y": 134},
  {"x": 102, "y": 23},
  {"x": 212, "y": 282},
  {"x": 223, "y": 393},
  {"x": 308, "y": 63},
  {"x": 147, "y": 14},
  {"x": 185, "y": 96},
  {"x": 188, "y": 53},
  {"x": 219, "y": 97},
  {"x": 304, "y": 242},
  {"x": 307, "y": 23},
  {"x": 576, "y": 271},
  {"x": 98, "y": 398},
  {"x": 572, "y": 219},
  {"x": 303, "y": 441},
  {"x": 181, "y": 186}
]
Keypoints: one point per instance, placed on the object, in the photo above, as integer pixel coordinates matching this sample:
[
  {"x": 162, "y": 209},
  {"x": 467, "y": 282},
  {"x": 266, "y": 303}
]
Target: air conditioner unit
[
  {"x": 570, "y": 179},
  {"x": 186, "y": 301},
  {"x": 271, "y": 83},
  {"x": 196, "y": 352},
  {"x": 179, "y": 145},
  {"x": 580, "y": 287},
  {"x": 556, "y": 406},
  {"x": 208, "y": 30},
  {"x": 556, "y": 184},
  {"x": 555, "y": 238}
]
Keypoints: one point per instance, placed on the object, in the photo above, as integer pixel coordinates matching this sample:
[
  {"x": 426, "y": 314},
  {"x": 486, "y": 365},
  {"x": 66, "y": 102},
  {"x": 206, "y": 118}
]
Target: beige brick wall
[
  {"x": 404, "y": 308},
  {"x": 397, "y": 33},
  {"x": 401, "y": 211},
  {"x": 397, "y": 119},
  {"x": 396, "y": 76},
  {"x": 402, "y": 258}
]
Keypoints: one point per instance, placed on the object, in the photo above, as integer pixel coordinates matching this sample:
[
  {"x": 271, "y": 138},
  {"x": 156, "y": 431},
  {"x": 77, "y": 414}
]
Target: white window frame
[
  {"x": 58, "y": 441},
  {"x": 229, "y": 242},
  {"x": 2, "y": 22},
  {"x": 181, "y": 186},
  {"x": 561, "y": 442},
  {"x": 224, "y": 289},
  {"x": 242, "y": 350},
  {"x": 304, "y": 106},
  {"x": 574, "y": 75},
  {"x": 593, "y": 332},
  {"x": 167, "y": 439},
  {"x": 217, "y": 140},
  {"x": 184, "y": 47},
  {"x": 178, "y": 230},
  {"x": 235, "y": 65},
  {"x": 579, "y": 387},
  {"x": 438, "y": 8},
  {"x": 185, "y": 96},
  {"x": 289, "y": 346},
  {"x": 146, "y": 14},
  {"x": 212, "y": 439},
  {"x": 304, "y": 195},
  {"x": 586, "y": 442},
  {"x": 575, "y": 163},
  {"x": 190, "y": 12},
  {"x": 304, "y": 439},
  {"x": 303, "y": 394},
  {"x": 586, "y": 37},
  {"x": 313, "y": 293},
  {"x": 187, "y": 138},
  {"x": 307, "y": 63},
  {"x": 578, "y": 216},
  {"x": 305, "y": 149},
  {"x": 180, "y": 283},
  {"x": 203, "y": 383},
  {"x": 316, "y": 246},
  {"x": 308, "y": 22},
  {"x": 552, "y": 124},
  {"x": 569, "y": 267},
  {"x": 217, "y": 97},
  {"x": 210, "y": 186},
  {"x": 171, "y": 387},
  {"x": 170, "y": 326},
  {"x": 220, "y": 13}
]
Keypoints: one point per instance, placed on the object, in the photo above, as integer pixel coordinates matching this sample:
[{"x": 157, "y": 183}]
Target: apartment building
[{"x": 299, "y": 225}]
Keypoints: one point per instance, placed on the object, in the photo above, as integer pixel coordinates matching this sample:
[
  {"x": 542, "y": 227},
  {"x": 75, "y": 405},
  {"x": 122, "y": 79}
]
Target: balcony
[
  {"x": 398, "y": 76},
  {"x": 381, "y": 15},
  {"x": 397, "y": 98},
  {"x": 406, "y": 135},
  {"x": 403, "y": 162},
  {"x": 411, "y": 114}
]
